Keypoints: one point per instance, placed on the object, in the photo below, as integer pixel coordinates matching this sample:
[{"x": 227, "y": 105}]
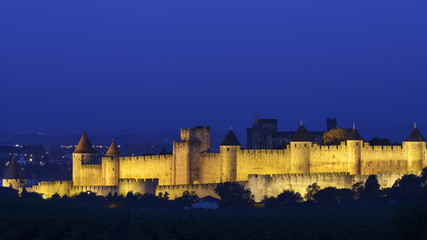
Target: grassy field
[{"x": 43, "y": 219}]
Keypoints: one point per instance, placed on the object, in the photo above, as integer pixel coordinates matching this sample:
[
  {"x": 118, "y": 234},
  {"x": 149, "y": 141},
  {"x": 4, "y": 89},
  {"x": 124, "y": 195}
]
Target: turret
[
  {"x": 256, "y": 125},
  {"x": 228, "y": 150},
  {"x": 300, "y": 145},
  {"x": 83, "y": 154},
  {"x": 354, "y": 149},
  {"x": 14, "y": 177},
  {"x": 414, "y": 148},
  {"x": 110, "y": 166}
]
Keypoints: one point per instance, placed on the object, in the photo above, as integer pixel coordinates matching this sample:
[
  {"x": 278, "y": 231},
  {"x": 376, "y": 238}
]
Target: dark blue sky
[{"x": 129, "y": 66}]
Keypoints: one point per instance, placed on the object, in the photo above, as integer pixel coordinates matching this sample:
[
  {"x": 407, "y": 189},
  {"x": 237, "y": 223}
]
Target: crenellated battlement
[
  {"x": 91, "y": 166},
  {"x": 55, "y": 183},
  {"x": 263, "y": 151},
  {"x": 133, "y": 180},
  {"x": 368, "y": 147},
  {"x": 145, "y": 158},
  {"x": 210, "y": 155},
  {"x": 342, "y": 146}
]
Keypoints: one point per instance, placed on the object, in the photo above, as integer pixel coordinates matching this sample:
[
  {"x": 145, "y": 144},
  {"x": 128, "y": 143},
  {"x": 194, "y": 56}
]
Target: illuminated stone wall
[
  {"x": 209, "y": 167},
  {"x": 192, "y": 166},
  {"x": 272, "y": 185},
  {"x": 91, "y": 175},
  {"x": 147, "y": 167},
  {"x": 14, "y": 183},
  {"x": 262, "y": 161},
  {"x": 141, "y": 186}
]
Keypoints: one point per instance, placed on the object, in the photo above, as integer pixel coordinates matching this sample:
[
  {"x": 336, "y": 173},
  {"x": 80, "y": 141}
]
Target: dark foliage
[
  {"x": 187, "y": 199},
  {"x": 409, "y": 188},
  {"x": 331, "y": 195},
  {"x": 371, "y": 190},
  {"x": 287, "y": 197},
  {"x": 311, "y": 190},
  {"x": 30, "y": 195},
  {"x": 233, "y": 194}
]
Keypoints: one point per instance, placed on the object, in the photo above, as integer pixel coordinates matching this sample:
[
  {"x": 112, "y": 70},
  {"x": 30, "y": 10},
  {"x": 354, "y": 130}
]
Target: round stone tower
[
  {"x": 14, "y": 177},
  {"x": 228, "y": 150},
  {"x": 110, "y": 166},
  {"x": 300, "y": 146},
  {"x": 414, "y": 149},
  {"x": 354, "y": 151},
  {"x": 83, "y": 154}
]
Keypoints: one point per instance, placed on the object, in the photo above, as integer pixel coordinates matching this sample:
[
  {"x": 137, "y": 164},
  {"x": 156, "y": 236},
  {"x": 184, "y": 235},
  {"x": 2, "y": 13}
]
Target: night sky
[{"x": 132, "y": 66}]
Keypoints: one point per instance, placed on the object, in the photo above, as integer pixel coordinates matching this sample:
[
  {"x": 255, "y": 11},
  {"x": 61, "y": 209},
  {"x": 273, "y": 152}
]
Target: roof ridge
[
  {"x": 230, "y": 139},
  {"x": 354, "y": 134},
  {"x": 302, "y": 135},
  {"x": 113, "y": 151},
  {"x": 415, "y": 136},
  {"x": 14, "y": 171},
  {"x": 84, "y": 145}
]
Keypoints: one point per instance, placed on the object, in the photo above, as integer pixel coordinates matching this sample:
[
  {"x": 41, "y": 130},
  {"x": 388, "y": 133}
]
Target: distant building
[{"x": 264, "y": 134}]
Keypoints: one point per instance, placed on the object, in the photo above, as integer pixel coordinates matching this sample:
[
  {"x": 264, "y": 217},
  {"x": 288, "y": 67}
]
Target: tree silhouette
[
  {"x": 234, "y": 194},
  {"x": 332, "y": 195},
  {"x": 334, "y": 136},
  {"x": 289, "y": 197},
  {"x": 187, "y": 198},
  {"x": 409, "y": 187},
  {"x": 311, "y": 190},
  {"x": 371, "y": 191},
  {"x": 357, "y": 189}
]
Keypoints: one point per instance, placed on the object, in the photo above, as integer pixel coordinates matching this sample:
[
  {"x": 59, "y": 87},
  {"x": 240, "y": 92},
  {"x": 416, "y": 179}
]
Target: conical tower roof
[
  {"x": 14, "y": 171},
  {"x": 256, "y": 120},
  {"x": 415, "y": 136},
  {"x": 230, "y": 139},
  {"x": 354, "y": 135},
  {"x": 113, "y": 151},
  {"x": 302, "y": 135},
  {"x": 84, "y": 145}
]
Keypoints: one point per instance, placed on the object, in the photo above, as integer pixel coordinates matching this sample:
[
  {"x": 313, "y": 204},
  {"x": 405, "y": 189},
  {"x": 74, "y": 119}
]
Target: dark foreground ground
[{"x": 43, "y": 219}]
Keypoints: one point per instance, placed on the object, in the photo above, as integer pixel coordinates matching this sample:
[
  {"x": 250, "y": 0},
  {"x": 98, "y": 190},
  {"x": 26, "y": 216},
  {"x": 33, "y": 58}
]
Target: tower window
[{"x": 228, "y": 149}]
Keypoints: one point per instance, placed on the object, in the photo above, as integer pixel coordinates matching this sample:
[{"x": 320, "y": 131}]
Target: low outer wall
[
  {"x": 141, "y": 186},
  {"x": 272, "y": 185},
  {"x": 50, "y": 188},
  {"x": 202, "y": 190}
]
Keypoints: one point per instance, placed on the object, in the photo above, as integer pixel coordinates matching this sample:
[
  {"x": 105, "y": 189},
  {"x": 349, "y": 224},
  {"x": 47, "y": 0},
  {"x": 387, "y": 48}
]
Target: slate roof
[
  {"x": 230, "y": 139},
  {"x": 302, "y": 135},
  {"x": 84, "y": 145},
  {"x": 354, "y": 135},
  {"x": 113, "y": 151},
  {"x": 415, "y": 136},
  {"x": 14, "y": 171}
]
